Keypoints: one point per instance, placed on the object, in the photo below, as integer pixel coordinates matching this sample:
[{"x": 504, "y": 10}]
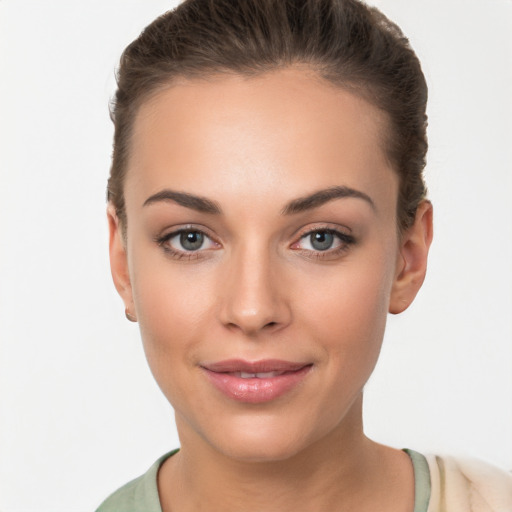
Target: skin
[{"x": 258, "y": 288}]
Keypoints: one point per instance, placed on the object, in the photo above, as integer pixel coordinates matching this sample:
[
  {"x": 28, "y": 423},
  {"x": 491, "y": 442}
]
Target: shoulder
[
  {"x": 138, "y": 494},
  {"x": 468, "y": 485},
  {"x": 130, "y": 498}
]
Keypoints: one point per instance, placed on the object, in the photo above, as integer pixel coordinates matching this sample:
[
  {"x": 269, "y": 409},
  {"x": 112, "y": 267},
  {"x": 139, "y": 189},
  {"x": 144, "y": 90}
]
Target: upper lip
[{"x": 261, "y": 366}]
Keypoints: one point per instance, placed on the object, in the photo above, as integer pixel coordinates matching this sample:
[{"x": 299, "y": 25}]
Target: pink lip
[{"x": 255, "y": 390}]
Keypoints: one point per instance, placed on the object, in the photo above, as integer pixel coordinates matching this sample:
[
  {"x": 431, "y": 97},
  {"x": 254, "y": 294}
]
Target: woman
[{"x": 266, "y": 211}]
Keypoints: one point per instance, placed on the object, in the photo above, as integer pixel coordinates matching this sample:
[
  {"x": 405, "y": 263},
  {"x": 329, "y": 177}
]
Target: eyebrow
[
  {"x": 324, "y": 196},
  {"x": 299, "y": 205},
  {"x": 201, "y": 204}
]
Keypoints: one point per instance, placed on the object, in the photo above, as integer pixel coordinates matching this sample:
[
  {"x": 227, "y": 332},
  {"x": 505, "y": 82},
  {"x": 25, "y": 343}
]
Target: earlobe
[
  {"x": 412, "y": 260},
  {"x": 119, "y": 260}
]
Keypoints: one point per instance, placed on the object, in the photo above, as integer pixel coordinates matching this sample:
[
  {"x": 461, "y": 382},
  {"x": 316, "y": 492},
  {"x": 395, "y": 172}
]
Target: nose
[{"x": 253, "y": 297}]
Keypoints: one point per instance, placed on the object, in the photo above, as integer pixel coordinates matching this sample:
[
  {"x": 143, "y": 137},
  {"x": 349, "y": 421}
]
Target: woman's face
[{"x": 261, "y": 257}]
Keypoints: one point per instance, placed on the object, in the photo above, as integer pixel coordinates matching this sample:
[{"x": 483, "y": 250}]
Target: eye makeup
[
  {"x": 323, "y": 243},
  {"x": 191, "y": 243},
  {"x": 186, "y": 243}
]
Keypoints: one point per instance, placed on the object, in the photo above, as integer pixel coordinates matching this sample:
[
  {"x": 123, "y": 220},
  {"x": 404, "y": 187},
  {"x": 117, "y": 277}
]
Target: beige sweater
[{"x": 466, "y": 485}]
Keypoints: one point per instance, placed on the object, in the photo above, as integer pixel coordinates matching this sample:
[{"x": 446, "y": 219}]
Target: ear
[
  {"x": 412, "y": 259},
  {"x": 119, "y": 262}
]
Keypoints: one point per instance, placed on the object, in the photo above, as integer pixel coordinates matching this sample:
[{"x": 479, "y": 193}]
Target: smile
[
  {"x": 255, "y": 382},
  {"x": 261, "y": 375}
]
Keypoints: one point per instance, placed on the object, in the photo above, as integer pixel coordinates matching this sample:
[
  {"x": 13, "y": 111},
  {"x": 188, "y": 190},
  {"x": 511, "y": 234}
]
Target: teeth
[
  {"x": 267, "y": 375},
  {"x": 261, "y": 375}
]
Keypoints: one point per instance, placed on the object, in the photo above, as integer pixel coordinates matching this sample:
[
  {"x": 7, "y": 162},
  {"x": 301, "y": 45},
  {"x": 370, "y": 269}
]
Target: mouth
[{"x": 258, "y": 381}]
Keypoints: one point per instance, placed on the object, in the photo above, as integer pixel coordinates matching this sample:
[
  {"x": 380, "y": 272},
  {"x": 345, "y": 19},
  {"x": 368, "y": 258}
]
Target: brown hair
[{"x": 344, "y": 41}]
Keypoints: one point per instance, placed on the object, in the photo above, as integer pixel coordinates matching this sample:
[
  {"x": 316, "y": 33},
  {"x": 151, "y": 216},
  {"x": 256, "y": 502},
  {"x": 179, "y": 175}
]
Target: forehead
[{"x": 287, "y": 129}]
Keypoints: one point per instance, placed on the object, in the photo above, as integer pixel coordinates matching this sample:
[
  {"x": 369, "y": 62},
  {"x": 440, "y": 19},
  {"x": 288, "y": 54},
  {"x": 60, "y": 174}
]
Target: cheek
[
  {"x": 172, "y": 330},
  {"x": 347, "y": 309},
  {"x": 171, "y": 309}
]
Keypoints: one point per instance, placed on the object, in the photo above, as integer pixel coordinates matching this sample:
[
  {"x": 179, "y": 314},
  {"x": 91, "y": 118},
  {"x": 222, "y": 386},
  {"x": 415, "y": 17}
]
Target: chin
[
  {"x": 260, "y": 450},
  {"x": 261, "y": 439}
]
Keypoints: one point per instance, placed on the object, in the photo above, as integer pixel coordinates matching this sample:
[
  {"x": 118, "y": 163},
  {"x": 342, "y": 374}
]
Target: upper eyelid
[
  {"x": 344, "y": 237},
  {"x": 164, "y": 240},
  {"x": 345, "y": 240},
  {"x": 328, "y": 230},
  {"x": 304, "y": 231},
  {"x": 332, "y": 228},
  {"x": 169, "y": 233}
]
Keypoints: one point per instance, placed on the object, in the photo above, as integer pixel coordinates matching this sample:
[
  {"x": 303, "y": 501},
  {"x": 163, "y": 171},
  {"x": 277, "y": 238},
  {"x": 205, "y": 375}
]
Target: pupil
[
  {"x": 322, "y": 240},
  {"x": 191, "y": 240}
]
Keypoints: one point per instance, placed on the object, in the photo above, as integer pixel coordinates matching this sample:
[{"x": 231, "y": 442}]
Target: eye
[
  {"x": 189, "y": 240},
  {"x": 186, "y": 243},
  {"x": 320, "y": 240},
  {"x": 322, "y": 243}
]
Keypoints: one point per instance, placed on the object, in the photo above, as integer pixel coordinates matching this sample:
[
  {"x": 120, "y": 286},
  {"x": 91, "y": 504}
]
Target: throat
[{"x": 382, "y": 479}]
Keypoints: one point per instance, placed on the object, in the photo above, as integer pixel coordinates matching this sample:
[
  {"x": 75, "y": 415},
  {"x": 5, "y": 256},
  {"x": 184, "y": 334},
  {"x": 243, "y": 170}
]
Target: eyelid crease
[
  {"x": 176, "y": 230},
  {"x": 345, "y": 237},
  {"x": 323, "y": 226},
  {"x": 161, "y": 239},
  {"x": 345, "y": 241},
  {"x": 179, "y": 254}
]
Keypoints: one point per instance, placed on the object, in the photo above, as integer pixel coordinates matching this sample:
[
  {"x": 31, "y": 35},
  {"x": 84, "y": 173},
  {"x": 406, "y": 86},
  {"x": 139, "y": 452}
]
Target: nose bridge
[{"x": 253, "y": 299}]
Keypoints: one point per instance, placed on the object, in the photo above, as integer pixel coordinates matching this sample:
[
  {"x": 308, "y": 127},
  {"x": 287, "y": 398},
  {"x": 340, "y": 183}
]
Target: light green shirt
[{"x": 141, "y": 494}]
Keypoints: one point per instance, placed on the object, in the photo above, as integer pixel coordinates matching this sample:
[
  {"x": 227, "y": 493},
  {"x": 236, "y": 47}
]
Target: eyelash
[
  {"x": 344, "y": 239},
  {"x": 162, "y": 241}
]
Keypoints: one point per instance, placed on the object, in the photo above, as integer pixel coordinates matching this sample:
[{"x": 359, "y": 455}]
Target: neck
[{"x": 342, "y": 471}]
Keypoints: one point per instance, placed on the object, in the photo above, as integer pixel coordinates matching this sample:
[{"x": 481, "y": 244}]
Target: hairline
[{"x": 358, "y": 87}]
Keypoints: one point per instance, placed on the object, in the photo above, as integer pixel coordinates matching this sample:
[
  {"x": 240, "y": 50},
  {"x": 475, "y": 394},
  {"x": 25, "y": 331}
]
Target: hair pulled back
[{"x": 346, "y": 42}]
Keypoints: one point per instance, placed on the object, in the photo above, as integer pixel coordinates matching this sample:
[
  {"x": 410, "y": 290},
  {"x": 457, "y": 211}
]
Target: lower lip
[{"x": 255, "y": 390}]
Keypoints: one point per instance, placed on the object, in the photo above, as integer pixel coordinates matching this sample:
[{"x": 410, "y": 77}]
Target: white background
[{"x": 80, "y": 413}]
